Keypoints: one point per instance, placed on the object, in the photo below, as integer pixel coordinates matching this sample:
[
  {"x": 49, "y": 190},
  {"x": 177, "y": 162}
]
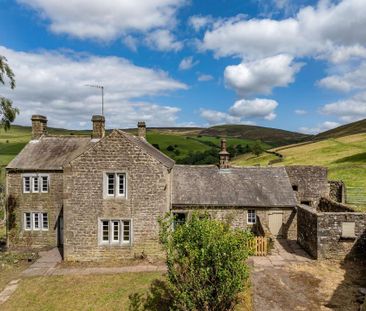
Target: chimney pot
[
  {"x": 141, "y": 129},
  {"x": 98, "y": 126},
  {"x": 224, "y": 155},
  {"x": 39, "y": 126}
]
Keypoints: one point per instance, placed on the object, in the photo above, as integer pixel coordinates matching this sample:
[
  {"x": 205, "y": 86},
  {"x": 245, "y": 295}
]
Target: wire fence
[{"x": 356, "y": 195}]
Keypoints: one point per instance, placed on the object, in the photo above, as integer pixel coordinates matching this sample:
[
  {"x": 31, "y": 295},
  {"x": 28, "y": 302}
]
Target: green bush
[{"x": 206, "y": 263}]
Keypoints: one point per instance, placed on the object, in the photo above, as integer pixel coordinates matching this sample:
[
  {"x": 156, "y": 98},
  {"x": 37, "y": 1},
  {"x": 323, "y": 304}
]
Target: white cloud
[
  {"x": 325, "y": 126},
  {"x": 53, "y": 83},
  {"x": 314, "y": 31},
  {"x": 300, "y": 112},
  {"x": 197, "y": 22},
  {"x": 352, "y": 80},
  {"x": 108, "y": 19},
  {"x": 130, "y": 42},
  {"x": 348, "y": 110},
  {"x": 256, "y": 108},
  {"x": 241, "y": 111},
  {"x": 187, "y": 63},
  {"x": 218, "y": 117},
  {"x": 261, "y": 76},
  {"x": 205, "y": 77},
  {"x": 163, "y": 40}
]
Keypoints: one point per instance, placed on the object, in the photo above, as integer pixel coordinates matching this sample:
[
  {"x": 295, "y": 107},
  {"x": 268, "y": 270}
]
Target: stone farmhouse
[{"x": 100, "y": 197}]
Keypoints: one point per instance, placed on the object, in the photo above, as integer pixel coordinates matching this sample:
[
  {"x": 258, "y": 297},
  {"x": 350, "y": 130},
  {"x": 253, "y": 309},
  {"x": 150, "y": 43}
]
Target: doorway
[{"x": 276, "y": 223}]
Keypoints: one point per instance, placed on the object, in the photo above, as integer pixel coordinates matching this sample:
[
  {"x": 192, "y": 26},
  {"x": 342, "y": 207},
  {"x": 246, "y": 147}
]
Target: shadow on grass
[{"x": 359, "y": 157}]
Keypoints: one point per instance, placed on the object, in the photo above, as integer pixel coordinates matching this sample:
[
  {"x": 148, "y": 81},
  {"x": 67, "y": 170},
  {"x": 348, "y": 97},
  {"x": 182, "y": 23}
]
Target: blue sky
[{"x": 297, "y": 65}]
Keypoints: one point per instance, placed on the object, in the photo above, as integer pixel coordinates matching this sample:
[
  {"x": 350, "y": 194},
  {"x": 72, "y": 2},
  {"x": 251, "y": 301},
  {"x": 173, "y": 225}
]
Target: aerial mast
[{"x": 101, "y": 87}]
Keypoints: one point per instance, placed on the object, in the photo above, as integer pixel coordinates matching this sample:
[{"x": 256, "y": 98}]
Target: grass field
[
  {"x": 88, "y": 292},
  {"x": 345, "y": 158}
]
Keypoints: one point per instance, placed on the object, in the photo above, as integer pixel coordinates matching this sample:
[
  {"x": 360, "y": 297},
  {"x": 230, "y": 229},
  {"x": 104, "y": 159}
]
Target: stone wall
[
  {"x": 328, "y": 205},
  {"x": 307, "y": 226},
  {"x": 320, "y": 233},
  {"x": 337, "y": 190},
  {"x": 237, "y": 217},
  {"x": 331, "y": 244},
  {"x": 148, "y": 197},
  {"x": 50, "y": 202},
  {"x": 311, "y": 183}
]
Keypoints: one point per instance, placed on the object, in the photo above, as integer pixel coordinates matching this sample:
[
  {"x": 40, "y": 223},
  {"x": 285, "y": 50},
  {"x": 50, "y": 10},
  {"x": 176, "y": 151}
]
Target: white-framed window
[
  {"x": 115, "y": 185},
  {"x": 115, "y": 231},
  {"x": 35, "y": 183},
  {"x": 35, "y": 221},
  {"x": 251, "y": 217}
]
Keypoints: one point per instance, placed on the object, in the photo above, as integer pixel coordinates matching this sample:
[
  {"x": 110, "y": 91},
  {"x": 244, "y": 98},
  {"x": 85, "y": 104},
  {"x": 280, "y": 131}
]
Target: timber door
[{"x": 275, "y": 224}]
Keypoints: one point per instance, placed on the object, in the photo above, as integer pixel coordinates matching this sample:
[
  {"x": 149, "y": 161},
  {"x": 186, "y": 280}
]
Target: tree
[
  {"x": 257, "y": 148},
  {"x": 7, "y": 111},
  {"x": 206, "y": 263}
]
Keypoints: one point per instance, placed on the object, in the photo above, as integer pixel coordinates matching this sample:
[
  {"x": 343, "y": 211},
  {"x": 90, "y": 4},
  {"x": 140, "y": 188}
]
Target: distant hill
[
  {"x": 271, "y": 136},
  {"x": 357, "y": 127}
]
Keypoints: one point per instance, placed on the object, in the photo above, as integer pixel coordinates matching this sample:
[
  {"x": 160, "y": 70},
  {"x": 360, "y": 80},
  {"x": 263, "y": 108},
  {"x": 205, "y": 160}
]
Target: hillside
[
  {"x": 345, "y": 158},
  {"x": 271, "y": 136},
  {"x": 344, "y": 130},
  {"x": 181, "y": 144}
]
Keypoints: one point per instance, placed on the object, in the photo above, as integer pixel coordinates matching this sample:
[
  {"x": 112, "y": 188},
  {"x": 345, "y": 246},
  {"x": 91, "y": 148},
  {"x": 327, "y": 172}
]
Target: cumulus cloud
[
  {"x": 205, "y": 77},
  {"x": 255, "y": 108},
  {"x": 348, "y": 110},
  {"x": 108, "y": 19},
  {"x": 187, "y": 63},
  {"x": 314, "y": 31},
  {"x": 197, "y": 22},
  {"x": 163, "y": 40},
  {"x": 261, "y": 76},
  {"x": 325, "y": 126},
  {"x": 241, "y": 111},
  {"x": 53, "y": 83},
  {"x": 351, "y": 80}
]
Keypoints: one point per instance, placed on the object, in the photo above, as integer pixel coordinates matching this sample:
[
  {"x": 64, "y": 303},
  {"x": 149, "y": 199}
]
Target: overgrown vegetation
[{"x": 206, "y": 267}]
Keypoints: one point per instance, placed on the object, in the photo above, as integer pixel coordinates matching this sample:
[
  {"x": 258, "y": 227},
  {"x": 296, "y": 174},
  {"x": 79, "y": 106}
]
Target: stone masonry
[{"x": 148, "y": 191}]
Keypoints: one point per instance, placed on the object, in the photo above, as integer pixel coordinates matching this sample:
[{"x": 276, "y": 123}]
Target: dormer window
[
  {"x": 35, "y": 183},
  {"x": 115, "y": 185}
]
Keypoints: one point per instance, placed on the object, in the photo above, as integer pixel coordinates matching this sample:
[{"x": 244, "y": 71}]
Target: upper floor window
[
  {"x": 35, "y": 183},
  {"x": 115, "y": 185},
  {"x": 251, "y": 217},
  {"x": 35, "y": 221}
]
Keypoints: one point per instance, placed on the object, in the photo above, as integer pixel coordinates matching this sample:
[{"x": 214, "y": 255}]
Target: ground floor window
[
  {"x": 115, "y": 231},
  {"x": 251, "y": 217},
  {"x": 35, "y": 221},
  {"x": 179, "y": 219}
]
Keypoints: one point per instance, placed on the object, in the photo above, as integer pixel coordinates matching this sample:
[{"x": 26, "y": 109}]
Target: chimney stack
[
  {"x": 224, "y": 155},
  {"x": 98, "y": 126},
  {"x": 141, "y": 129},
  {"x": 39, "y": 126}
]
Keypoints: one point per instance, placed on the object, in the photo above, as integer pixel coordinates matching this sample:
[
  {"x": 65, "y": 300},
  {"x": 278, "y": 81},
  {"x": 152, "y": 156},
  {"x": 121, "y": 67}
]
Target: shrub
[
  {"x": 257, "y": 148},
  {"x": 170, "y": 148},
  {"x": 156, "y": 146},
  {"x": 206, "y": 263}
]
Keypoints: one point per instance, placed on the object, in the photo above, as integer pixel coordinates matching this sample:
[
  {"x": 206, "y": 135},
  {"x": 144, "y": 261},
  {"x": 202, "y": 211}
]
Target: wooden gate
[{"x": 259, "y": 245}]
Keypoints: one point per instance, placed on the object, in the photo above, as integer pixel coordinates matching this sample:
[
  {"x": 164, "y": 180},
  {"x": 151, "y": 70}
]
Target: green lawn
[{"x": 86, "y": 292}]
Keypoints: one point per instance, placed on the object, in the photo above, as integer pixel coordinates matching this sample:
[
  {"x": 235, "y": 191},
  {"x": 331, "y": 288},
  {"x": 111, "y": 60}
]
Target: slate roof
[
  {"x": 155, "y": 153},
  {"x": 50, "y": 152},
  {"x": 245, "y": 186},
  {"x": 53, "y": 152}
]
